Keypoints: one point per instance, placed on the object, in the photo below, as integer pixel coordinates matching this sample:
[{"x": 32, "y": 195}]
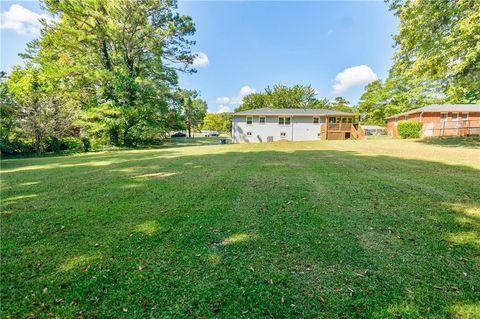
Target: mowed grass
[{"x": 334, "y": 229}]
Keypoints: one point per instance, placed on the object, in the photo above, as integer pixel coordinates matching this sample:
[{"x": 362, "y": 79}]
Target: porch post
[{"x": 326, "y": 128}]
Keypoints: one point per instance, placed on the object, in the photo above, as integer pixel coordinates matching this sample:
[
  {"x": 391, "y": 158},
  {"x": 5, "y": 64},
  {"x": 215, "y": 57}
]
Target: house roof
[
  {"x": 270, "y": 111},
  {"x": 442, "y": 108}
]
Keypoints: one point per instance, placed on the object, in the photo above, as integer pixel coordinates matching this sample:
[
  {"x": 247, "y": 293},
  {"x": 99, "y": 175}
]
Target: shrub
[
  {"x": 72, "y": 144},
  {"x": 409, "y": 129},
  {"x": 17, "y": 146},
  {"x": 86, "y": 144}
]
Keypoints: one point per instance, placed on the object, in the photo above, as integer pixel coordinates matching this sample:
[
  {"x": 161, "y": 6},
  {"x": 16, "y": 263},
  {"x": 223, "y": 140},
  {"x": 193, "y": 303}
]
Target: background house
[
  {"x": 374, "y": 130},
  {"x": 441, "y": 120},
  {"x": 266, "y": 125}
]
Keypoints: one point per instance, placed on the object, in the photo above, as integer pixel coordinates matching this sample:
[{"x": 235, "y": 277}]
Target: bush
[
  {"x": 17, "y": 146},
  {"x": 72, "y": 144},
  {"x": 86, "y": 144},
  {"x": 409, "y": 129},
  {"x": 66, "y": 144}
]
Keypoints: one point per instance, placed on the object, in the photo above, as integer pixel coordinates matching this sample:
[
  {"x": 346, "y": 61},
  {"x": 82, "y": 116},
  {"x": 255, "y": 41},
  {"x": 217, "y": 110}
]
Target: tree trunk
[{"x": 38, "y": 144}]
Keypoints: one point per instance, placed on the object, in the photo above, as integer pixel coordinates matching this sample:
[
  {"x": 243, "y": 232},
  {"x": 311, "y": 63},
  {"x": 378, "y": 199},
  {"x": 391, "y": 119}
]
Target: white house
[{"x": 266, "y": 125}]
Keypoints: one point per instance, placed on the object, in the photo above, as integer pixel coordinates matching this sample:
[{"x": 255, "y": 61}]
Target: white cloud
[
  {"x": 354, "y": 76},
  {"x": 246, "y": 90},
  {"x": 21, "y": 20},
  {"x": 238, "y": 99},
  {"x": 224, "y": 109},
  {"x": 201, "y": 59},
  {"x": 222, "y": 100}
]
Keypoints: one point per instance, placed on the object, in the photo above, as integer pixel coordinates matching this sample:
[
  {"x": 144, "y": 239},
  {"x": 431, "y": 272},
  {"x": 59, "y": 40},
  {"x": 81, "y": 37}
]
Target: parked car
[
  {"x": 178, "y": 134},
  {"x": 214, "y": 134}
]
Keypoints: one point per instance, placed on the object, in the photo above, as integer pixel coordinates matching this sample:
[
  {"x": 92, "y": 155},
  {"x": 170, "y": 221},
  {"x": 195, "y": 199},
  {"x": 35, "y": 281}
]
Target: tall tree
[
  {"x": 397, "y": 94},
  {"x": 121, "y": 58},
  {"x": 8, "y": 112},
  {"x": 438, "y": 40},
  {"x": 340, "y": 104},
  {"x": 193, "y": 110},
  {"x": 41, "y": 112},
  {"x": 282, "y": 97}
]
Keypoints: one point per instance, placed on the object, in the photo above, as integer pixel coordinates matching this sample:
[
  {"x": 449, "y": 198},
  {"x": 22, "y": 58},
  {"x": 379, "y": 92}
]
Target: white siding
[{"x": 301, "y": 128}]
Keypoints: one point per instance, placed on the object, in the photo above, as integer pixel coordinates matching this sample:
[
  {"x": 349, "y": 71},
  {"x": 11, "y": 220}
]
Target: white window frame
[
  {"x": 316, "y": 118},
  {"x": 443, "y": 120},
  {"x": 455, "y": 119},
  {"x": 465, "y": 118},
  {"x": 251, "y": 120},
  {"x": 284, "y": 119},
  {"x": 264, "y": 120}
]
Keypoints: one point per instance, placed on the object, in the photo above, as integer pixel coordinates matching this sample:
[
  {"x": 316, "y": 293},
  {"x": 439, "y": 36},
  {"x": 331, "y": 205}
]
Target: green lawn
[{"x": 335, "y": 229}]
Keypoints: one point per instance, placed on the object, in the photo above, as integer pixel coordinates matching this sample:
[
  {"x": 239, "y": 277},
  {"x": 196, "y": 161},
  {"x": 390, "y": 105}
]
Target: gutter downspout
[{"x": 292, "y": 128}]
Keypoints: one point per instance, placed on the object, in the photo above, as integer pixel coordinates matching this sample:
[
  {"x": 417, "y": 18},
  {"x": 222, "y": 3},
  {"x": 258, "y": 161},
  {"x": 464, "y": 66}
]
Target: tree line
[
  {"x": 101, "y": 73},
  {"x": 437, "y": 59},
  {"x": 297, "y": 96}
]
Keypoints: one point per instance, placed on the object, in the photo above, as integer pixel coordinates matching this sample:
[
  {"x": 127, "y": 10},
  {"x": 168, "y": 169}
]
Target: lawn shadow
[
  {"x": 254, "y": 234},
  {"x": 468, "y": 142}
]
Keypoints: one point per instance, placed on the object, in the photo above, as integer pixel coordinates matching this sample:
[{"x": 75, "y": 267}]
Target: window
[
  {"x": 316, "y": 120},
  {"x": 465, "y": 116},
  {"x": 249, "y": 133},
  {"x": 322, "y": 120},
  {"x": 332, "y": 120},
  {"x": 283, "y": 134},
  {"x": 344, "y": 120},
  {"x": 443, "y": 117},
  {"x": 283, "y": 121},
  {"x": 262, "y": 120},
  {"x": 455, "y": 116},
  {"x": 349, "y": 120},
  {"x": 249, "y": 120}
]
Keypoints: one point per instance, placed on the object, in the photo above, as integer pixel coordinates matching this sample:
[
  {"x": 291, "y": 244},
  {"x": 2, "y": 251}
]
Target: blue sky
[{"x": 335, "y": 46}]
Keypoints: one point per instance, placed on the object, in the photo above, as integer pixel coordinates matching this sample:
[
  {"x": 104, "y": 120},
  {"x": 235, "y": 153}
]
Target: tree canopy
[
  {"x": 297, "y": 96},
  {"x": 437, "y": 58},
  {"x": 118, "y": 63}
]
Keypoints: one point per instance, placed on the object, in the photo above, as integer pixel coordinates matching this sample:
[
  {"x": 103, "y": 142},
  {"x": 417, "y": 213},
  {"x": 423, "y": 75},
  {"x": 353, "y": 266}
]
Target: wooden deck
[{"x": 341, "y": 131}]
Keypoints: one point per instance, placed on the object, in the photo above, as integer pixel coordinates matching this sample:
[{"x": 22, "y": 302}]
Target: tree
[
  {"x": 193, "y": 110},
  {"x": 281, "y": 97},
  {"x": 40, "y": 111},
  {"x": 373, "y": 102},
  {"x": 340, "y": 104},
  {"x": 8, "y": 114},
  {"x": 121, "y": 59},
  {"x": 254, "y": 101},
  {"x": 438, "y": 41},
  {"x": 221, "y": 122},
  {"x": 397, "y": 94}
]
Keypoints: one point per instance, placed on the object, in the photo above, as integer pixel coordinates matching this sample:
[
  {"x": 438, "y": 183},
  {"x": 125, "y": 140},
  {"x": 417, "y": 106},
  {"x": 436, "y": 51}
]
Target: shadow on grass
[
  {"x": 469, "y": 142},
  {"x": 253, "y": 234}
]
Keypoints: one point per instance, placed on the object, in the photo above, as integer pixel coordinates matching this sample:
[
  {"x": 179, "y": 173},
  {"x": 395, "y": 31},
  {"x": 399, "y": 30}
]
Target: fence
[{"x": 452, "y": 128}]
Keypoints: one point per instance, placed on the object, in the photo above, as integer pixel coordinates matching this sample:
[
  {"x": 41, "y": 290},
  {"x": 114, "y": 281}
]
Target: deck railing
[{"x": 340, "y": 127}]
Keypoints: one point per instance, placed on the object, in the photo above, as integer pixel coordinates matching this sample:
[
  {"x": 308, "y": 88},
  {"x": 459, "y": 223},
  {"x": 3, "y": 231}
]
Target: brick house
[{"x": 441, "y": 120}]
